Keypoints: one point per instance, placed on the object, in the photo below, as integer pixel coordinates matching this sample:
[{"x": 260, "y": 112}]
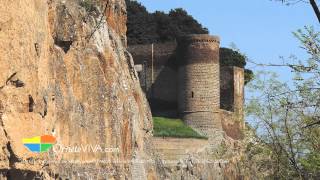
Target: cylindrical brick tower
[{"x": 198, "y": 82}]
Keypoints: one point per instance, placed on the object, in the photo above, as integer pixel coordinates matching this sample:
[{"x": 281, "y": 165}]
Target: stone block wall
[
  {"x": 189, "y": 158},
  {"x": 232, "y": 90},
  {"x": 198, "y": 87},
  {"x": 189, "y": 82},
  {"x": 178, "y": 148},
  {"x": 231, "y": 124},
  {"x": 198, "y": 81},
  {"x": 204, "y": 122},
  {"x": 238, "y": 92},
  {"x": 164, "y": 85},
  {"x": 226, "y": 88}
]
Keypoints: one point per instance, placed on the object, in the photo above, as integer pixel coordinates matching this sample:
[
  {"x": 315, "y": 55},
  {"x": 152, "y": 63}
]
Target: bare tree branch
[
  {"x": 316, "y": 122},
  {"x": 315, "y": 9},
  {"x": 313, "y": 3}
]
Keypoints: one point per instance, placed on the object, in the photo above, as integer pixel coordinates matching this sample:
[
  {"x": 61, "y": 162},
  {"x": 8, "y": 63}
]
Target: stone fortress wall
[
  {"x": 198, "y": 82},
  {"x": 188, "y": 82},
  {"x": 164, "y": 85},
  {"x": 177, "y": 148}
]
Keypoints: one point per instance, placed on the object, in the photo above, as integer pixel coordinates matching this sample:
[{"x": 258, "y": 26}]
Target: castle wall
[
  {"x": 238, "y": 81},
  {"x": 189, "y": 81},
  {"x": 164, "y": 86},
  {"x": 231, "y": 124},
  {"x": 188, "y": 158},
  {"x": 178, "y": 148},
  {"x": 198, "y": 82},
  {"x": 226, "y": 88},
  {"x": 232, "y": 90}
]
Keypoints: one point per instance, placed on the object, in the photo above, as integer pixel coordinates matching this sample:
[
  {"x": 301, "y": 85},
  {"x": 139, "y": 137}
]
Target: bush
[{"x": 230, "y": 57}]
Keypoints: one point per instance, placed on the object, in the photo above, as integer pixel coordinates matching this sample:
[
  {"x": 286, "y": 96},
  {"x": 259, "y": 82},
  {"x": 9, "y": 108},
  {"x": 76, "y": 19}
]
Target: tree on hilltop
[{"x": 144, "y": 27}]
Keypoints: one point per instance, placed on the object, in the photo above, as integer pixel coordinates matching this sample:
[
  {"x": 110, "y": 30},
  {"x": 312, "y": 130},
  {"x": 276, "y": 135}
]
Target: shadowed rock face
[{"x": 74, "y": 68}]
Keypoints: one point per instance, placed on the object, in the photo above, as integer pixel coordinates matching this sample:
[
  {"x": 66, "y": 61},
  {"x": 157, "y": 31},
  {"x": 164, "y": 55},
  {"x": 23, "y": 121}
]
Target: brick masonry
[
  {"x": 198, "y": 79},
  {"x": 232, "y": 90},
  {"x": 164, "y": 85},
  {"x": 189, "y": 82}
]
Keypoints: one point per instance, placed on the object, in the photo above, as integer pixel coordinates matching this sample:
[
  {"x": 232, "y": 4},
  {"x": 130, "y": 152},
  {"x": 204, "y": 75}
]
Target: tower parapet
[
  {"x": 198, "y": 81},
  {"x": 196, "y": 38}
]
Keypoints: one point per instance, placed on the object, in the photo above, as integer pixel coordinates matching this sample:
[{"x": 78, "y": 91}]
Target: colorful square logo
[{"x": 39, "y": 143}]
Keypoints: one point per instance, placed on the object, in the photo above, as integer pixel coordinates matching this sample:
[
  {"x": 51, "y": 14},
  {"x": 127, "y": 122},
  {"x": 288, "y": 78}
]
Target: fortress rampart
[
  {"x": 164, "y": 85},
  {"x": 188, "y": 82},
  {"x": 232, "y": 90},
  {"x": 198, "y": 79}
]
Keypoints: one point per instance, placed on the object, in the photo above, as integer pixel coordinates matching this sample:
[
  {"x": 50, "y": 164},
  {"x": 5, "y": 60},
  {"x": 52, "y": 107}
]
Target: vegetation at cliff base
[{"x": 166, "y": 127}]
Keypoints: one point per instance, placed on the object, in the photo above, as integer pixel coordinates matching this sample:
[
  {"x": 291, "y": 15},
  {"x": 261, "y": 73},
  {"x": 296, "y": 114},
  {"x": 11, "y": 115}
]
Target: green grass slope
[{"x": 166, "y": 127}]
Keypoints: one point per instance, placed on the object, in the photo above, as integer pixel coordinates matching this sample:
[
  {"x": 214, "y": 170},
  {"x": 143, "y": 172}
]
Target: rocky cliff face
[{"x": 65, "y": 71}]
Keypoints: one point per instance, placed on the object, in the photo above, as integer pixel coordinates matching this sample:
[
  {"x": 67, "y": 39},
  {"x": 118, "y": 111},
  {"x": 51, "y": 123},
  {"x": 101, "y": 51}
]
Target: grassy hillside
[{"x": 165, "y": 127}]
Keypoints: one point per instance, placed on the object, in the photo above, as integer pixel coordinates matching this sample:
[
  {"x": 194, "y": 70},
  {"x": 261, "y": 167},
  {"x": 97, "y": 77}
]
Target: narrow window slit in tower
[{"x": 192, "y": 94}]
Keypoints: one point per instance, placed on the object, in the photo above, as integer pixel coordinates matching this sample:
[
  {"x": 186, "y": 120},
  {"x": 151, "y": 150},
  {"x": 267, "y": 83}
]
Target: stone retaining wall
[{"x": 178, "y": 148}]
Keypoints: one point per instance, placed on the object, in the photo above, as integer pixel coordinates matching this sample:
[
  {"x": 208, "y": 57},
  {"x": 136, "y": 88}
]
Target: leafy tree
[
  {"x": 185, "y": 24},
  {"x": 145, "y": 27},
  {"x": 141, "y": 26},
  {"x": 248, "y": 75},
  {"x": 165, "y": 28},
  {"x": 256, "y": 162},
  {"x": 230, "y": 57},
  {"x": 287, "y": 116}
]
